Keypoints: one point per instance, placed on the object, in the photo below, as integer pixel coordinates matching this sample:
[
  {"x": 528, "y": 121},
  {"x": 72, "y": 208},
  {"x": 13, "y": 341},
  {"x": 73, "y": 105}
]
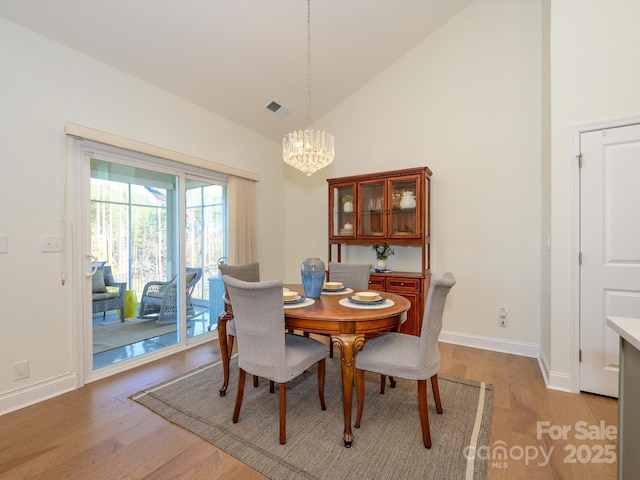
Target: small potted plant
[
  {"x": 383, "y": 251},
  {"x": 347, "y": 203}
]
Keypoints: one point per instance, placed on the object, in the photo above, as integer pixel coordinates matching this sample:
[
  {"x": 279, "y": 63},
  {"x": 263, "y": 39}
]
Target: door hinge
[
  {"x": 580, "y": 258},
  {"x": 580, "y": 355},
  {"x": 579, "y": 157}
]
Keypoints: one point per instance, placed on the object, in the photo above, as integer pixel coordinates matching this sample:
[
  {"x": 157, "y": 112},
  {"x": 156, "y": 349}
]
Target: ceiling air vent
[{"x": 277, "y": 109}]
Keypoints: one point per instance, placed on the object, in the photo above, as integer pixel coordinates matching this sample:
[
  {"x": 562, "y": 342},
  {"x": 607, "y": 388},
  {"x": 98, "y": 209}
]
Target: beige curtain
[{"x": 243, "y": 238}]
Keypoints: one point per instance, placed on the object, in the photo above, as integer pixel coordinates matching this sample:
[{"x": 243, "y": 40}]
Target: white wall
[
  {"x": 467, "y": 103},
  {"x": 43, "y": 86},
  {"x": 488, "y": 103},
  {"x": 595, "y": 75}
]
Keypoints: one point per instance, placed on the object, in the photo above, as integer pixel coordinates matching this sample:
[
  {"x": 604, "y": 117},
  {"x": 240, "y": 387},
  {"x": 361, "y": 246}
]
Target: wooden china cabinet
[{"x": 386, "y": 207}]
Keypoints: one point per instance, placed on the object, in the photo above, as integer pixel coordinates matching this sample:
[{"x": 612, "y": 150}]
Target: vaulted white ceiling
[{"x": 233, "y": 57}]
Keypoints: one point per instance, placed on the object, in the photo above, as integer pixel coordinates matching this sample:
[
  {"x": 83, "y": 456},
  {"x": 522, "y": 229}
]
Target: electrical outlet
[
  {"x": 502, "y": 317},
  {"x": 21, "y": 370},
  {"x": 51, "y": 243}
]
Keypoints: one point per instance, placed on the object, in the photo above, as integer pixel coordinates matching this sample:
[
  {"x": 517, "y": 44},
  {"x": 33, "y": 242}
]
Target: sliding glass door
[
  {"x": 205, "y": 245},
  {"x": 134, "y": 241},
  {"x": 156, "y": 236}
]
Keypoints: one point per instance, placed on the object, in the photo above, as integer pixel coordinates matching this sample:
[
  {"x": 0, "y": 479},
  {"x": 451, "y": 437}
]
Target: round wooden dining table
[{"x": 346, "y": 323}]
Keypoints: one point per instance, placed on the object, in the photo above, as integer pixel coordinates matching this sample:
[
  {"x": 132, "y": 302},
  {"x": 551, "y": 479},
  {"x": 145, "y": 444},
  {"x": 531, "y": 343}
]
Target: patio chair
[
  {"x": 160, "y": 299},
  {"x": 106, "y": 293}
]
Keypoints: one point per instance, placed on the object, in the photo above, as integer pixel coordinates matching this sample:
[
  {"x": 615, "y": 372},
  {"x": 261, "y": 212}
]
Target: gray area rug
[
  {"x": 387, "y": 445},
  {"x": 113, "y": 334}
]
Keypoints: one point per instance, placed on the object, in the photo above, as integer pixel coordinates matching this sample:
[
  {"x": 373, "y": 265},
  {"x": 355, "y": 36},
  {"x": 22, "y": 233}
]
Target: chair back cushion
[
  {"x": 432, "y": 322},
  {"x": 258, "y": 313},
  {"x": 249, "y": 272},
  {"x": 193, "y": 275},
  {"x": 352, "y": 275},
  {"x": 97, "y": 281}
]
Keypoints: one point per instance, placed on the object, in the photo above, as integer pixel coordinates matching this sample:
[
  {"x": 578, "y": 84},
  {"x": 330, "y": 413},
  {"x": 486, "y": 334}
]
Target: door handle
[{"x": 93, "y": 260}]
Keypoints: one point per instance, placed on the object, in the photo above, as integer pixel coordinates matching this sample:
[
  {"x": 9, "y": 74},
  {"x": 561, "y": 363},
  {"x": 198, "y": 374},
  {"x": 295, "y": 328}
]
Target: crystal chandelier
[{"x": 308, "y": 150}]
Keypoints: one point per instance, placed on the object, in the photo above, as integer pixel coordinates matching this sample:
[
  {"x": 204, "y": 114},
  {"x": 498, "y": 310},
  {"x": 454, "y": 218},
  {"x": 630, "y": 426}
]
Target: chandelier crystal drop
[{"x": 308, "y": 150}]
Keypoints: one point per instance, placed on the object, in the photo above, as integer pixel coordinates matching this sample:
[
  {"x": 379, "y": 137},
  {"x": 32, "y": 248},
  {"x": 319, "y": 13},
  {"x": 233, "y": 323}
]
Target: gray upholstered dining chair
[
  {"x": 264, "y": 349},
  {"x": 409, "y": 357},
  {"x": 352, "y": 275},
  {"x": 248, "y": 272}
]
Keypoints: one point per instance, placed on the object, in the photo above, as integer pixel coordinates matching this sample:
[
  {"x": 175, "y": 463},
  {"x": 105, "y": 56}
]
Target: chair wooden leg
[
  {"x": 230, "y": 340},
  {"x": 330, "y": 348},
  {"x": 283, "y": 413},
  {"x": 436, "y": 392},
  {"x": 223, "y": 339},
  {"x": 255, "y": 381},
  {"x": 383, "y": 383},
  {"x": 236, "y": 411},
  {"x": 360, "y": 391},
  {"x": 272, "y": 386},
  {"x": 392, "y": 382},
  {"x": 321, "y": 369},
  {"x": 424, "y": 414}
]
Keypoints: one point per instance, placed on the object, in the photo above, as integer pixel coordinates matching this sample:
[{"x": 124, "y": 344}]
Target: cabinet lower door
[{"x": 414, "y": 318}]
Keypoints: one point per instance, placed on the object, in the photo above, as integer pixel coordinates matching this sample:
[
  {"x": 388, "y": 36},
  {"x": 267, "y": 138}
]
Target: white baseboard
[
  {"x": 560, "y": 381},
  {"x": 494, "y": 344},
  {"x": 37, "y": 392},
  {"x": 553, "y": 380},
  {"x": 545, "y": 368}
]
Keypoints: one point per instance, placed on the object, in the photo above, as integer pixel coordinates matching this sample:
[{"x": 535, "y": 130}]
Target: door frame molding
[{"x": 574, "y": 308}]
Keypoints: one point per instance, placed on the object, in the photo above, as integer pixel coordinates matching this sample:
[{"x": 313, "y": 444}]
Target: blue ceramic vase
[{"x": 312, "y": 277}]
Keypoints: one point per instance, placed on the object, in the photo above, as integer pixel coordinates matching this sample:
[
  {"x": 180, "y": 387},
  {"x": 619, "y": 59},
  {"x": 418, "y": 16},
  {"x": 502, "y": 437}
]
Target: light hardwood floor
[{"x": 96, "y": 432}]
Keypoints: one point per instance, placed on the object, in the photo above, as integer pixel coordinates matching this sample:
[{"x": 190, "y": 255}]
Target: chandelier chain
[
  {"x": 308, "y": 150},
  {"x": 309, "y": 64}
]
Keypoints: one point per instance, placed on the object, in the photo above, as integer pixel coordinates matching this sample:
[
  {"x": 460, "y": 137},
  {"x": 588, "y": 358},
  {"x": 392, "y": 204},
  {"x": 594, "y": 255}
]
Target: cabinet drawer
[
  {"x": 376, "y": 283},
  {"x": 403, "y": 284}
]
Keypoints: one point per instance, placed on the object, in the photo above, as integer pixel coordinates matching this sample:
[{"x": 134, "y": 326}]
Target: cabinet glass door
[
  {"x": 372, "y": 207},
  {"x": 405, "y": 207},
  {"x": 343, "y": 211}
]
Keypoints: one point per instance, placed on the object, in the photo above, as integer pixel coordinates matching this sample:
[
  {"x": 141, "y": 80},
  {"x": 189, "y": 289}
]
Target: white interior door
[{"x": 610, "y": 249}]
